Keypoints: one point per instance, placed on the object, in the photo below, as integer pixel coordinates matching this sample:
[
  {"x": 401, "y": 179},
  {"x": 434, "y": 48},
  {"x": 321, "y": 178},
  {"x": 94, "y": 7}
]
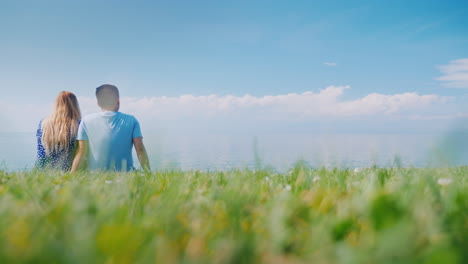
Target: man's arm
[
  {"x": 141, "y": 153},
  {"x": 80, "y": 157}
]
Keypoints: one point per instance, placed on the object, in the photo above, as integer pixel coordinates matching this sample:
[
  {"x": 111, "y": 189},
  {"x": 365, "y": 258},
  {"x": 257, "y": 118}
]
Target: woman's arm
[
  {"x": 81, "y": 154},
  {"x": 41, "y": 154}
]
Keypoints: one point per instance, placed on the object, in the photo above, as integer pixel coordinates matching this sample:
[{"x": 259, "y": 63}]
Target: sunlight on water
[
  {"x": 18, "y": 150},
  {"x": 279, "y": 151}
]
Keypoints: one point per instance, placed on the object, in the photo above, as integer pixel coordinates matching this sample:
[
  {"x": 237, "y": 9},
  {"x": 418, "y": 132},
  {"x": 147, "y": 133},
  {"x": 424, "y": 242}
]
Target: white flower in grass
[
  {"x": 108, "y": 181},
  {"x": 267, "y": 178},
  {"x": 316, "y": 179},
  {"x": 357, "y": 170},
  {"x": 287, "y": 188},
  {"x": 444, "y": 181}
]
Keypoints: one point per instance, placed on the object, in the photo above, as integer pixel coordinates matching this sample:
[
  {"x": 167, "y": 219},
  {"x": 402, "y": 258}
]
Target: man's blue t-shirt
[{"x": 110, "y": 136}]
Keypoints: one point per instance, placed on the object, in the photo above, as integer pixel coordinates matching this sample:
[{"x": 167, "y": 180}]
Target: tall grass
[{"x": 394, "y": 215}]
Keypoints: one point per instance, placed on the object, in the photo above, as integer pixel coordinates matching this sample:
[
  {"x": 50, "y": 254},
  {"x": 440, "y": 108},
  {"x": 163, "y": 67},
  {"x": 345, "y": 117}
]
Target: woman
[{"x": 57, "y": 133}]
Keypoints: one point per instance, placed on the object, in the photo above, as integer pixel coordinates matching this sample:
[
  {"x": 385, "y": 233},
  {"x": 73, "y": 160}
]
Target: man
[{"x": 105, "y": 139}]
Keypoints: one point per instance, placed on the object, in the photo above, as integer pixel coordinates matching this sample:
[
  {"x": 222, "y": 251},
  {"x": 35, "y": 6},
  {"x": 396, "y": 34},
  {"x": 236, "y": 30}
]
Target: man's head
[{"x": 107, "y": 96}]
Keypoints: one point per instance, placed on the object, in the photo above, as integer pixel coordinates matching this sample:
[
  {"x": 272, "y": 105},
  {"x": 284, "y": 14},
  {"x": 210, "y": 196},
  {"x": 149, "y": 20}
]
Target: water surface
[{"x": 278, "y": 150}]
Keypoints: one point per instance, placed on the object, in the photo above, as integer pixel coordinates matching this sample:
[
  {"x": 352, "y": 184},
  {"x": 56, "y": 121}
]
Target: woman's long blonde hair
[{"x": 62, "y": 124}]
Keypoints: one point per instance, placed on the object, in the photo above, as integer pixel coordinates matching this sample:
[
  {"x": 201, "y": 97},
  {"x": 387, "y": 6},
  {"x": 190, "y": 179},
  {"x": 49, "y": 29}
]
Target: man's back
[{"x": 110, "y": 136}]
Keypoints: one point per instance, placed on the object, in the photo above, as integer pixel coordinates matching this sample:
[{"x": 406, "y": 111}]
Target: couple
[{"x": 100, "y": 141}]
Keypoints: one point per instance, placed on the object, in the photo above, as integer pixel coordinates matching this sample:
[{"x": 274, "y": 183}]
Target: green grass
[{"x": 401, "y": 215}]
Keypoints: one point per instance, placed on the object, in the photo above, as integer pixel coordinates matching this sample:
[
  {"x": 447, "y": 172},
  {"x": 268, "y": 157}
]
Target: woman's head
[
  {"x": 66, "y": 105},
  {"x": 62, "y": 124}
]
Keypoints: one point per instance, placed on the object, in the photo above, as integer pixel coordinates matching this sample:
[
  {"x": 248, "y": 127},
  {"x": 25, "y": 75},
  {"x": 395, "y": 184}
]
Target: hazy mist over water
[{"x": 277, "y": 150}]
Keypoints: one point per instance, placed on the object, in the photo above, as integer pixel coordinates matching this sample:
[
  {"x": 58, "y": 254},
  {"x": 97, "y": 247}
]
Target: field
[{"x": 375, "y": 215}]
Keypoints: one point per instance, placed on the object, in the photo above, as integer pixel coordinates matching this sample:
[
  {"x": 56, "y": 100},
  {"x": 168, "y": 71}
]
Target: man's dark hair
[{"x": 107, "y": 96}]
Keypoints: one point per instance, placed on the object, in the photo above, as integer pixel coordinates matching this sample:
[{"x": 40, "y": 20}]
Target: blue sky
[{"x": 260, "y": 48}]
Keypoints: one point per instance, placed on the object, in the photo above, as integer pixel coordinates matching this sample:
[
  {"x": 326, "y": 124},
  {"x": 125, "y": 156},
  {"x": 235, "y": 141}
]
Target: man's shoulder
[
  {"x": 90, "y": 116},
  {"x": 127, "y": 116}
]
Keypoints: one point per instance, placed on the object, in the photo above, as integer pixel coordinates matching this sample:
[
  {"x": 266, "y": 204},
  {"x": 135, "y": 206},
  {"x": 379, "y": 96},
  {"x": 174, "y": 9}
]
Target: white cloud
[
  {"x": 326, "y": 104},
  {"x": 455, "y": 74},
  {"x": 438, "y": 117},
  {"x": 308, "y": 105},
  {"x": 332, "y": 64}
]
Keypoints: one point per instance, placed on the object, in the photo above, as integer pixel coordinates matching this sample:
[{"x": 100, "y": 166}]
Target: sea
[{"x": 277, "y": 151}]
